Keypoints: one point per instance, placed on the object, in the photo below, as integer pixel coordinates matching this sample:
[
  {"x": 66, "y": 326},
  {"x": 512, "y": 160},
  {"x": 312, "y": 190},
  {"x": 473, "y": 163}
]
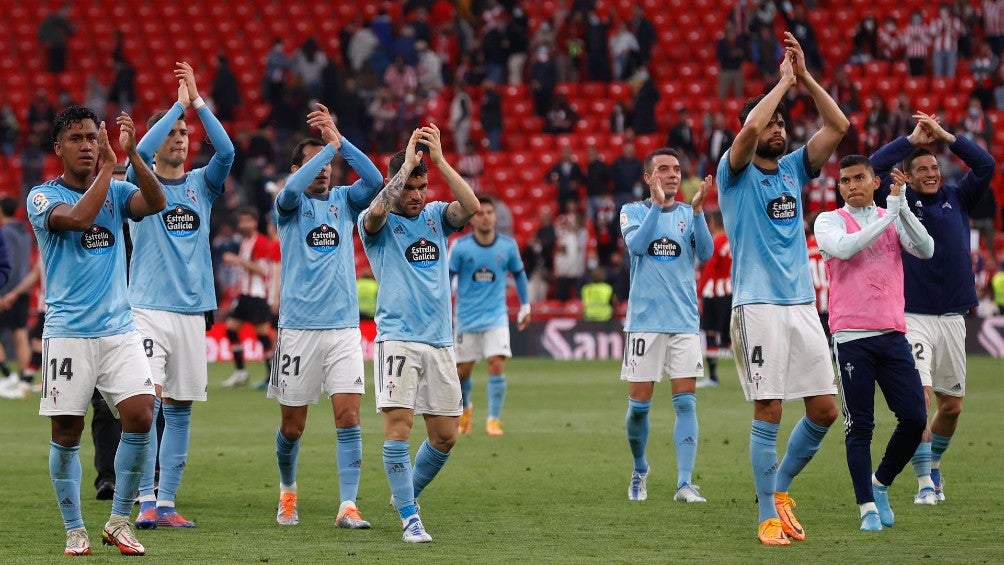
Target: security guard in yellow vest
[
  {"x": 997, "y": 283},
  {"x": 597, "y": 298},
  {"x": 366, "y": 288}
]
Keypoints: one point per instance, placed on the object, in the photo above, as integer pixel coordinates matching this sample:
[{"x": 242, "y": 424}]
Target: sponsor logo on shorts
[
  {"x": 148, "y": 383},
  {"x": 181, "y": 221},
  {"x": 422, "y": 254},
  {"x": 323, "y": 238},
  {"x": 783, "y": 210},
  {"x": 664, "y": 249},
  {"x": 483, "y": 275},
  {"x": 97, "y": 240},
  {"x": 359, "y": 380}
]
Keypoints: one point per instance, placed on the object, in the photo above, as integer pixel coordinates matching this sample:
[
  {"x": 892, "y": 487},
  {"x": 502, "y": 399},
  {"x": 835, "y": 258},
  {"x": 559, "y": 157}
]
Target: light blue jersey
[
  {"x": 407, "y": 257},
  {"x": 762, "y": 214},
  {"x": 171, "y": 267},
  {"x": 85, "y": 272},
  {"x": 318, "y": 289},
  {"x": 665, "y": 244},
  {"x": 481, "y": 281}
]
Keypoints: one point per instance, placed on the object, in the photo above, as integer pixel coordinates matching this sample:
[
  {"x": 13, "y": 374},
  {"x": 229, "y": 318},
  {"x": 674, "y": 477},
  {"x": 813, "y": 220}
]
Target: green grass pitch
[{"x": 553, "y": 489}]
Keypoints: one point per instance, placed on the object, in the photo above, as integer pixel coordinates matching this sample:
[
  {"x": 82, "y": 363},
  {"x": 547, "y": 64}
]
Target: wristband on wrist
[{"x": 198, "y": 103}]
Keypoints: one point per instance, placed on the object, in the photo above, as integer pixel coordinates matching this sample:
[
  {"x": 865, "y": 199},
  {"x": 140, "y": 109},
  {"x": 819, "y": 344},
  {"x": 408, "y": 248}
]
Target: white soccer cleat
[
  {"x": 688, "y": 493},
  {"x": 239, "y": 378},
  {"x": 349, "y": 518},
  {"x": 118, "y": 532},
  {"x": 414, "y": 531},
  {"x": 926, "y": 497},
  {"x": 286, "y": 515},
  {"x": 638, "y": 487},
  {"x": 77, "y": 542},
  {"x": 706, "y": 383}
]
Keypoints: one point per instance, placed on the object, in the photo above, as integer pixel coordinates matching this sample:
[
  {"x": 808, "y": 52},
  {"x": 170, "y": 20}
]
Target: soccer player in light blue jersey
[
  {"x": 319, "y": 344},
  {"x": 90, "y": 339},
  {"x": 666, "y": 239},
  {"x": 780, "y": 349},
  {"x": 480, "y": 261},
  {"x": 171, "y": 288},
  {"x": 416, "y": 371}
]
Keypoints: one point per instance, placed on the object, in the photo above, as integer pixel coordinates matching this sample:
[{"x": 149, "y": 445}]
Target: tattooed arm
[{"x": 375, "y": 216}]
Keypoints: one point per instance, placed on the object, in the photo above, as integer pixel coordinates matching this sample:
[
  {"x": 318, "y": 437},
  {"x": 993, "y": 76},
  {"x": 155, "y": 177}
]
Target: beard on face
[{"x": 766, "y": 150}]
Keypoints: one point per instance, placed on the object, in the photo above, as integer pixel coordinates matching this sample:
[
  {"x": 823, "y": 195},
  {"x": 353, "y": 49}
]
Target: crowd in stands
[{"x": 464, "y": 64}]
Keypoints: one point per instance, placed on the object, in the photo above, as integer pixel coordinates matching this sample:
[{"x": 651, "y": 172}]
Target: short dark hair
[
  {"x": 661, "y": 151},
  {"x": 744, "y": 112},
  {"x": 8, "y": 205},
  {"x": 72, "y": 115},
  {"x": 918, "y": 152},
  {"x": 851, "y": 160},
  {"x": 247, "y": 211},
  {"x": 156, "y": 118},
  {"x": 715, "y": 218},
  {"x": 298, "y": 151},
  {"x": 397, "y": 161},
  {"x": 485, "y": 199}
]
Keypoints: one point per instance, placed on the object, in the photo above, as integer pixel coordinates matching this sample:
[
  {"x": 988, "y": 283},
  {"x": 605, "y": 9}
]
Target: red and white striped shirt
[
  {"x": 716, "y": 275},
  {"x": 946, "y": 32},
  {"x": 820, "y": 281},
  {"x": 993, "y": 18},
  {"x": 916, "y": 40},
  {"x": 257, "y": 249}
]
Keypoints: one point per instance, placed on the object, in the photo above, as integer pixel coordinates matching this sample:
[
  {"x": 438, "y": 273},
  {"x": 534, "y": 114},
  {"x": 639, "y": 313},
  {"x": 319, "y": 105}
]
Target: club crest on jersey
[
  {"x": 333, "y": 210},
  {"x": 323, "y": 238},
  {"x": 190, "y": 194},
  {"x": 181, "y": 221},
  {"x": 664, "y": 249},
  {"x": 783, "y": 210},
  {"x": 108, "y": 205},
  {"x": 40, "y": 202},
  {"x": 97, "y": 240},
  {"x": 422, "y": 254},
  {"x": 682, "y": 225},
  {"x": 483, "y": 275},
  {"x": 432, "y": 225}
]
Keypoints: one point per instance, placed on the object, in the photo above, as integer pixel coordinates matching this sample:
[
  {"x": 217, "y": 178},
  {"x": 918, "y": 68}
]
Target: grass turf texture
[{"x": 553, "y": 489}]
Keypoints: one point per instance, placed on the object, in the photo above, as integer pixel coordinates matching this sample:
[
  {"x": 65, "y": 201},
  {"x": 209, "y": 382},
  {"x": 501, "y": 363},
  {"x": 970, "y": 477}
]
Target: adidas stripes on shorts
[
  {"x": 309, "y": 362},
  {"x": 649, "y": 355},
  {"x": 73, "y": 367}
]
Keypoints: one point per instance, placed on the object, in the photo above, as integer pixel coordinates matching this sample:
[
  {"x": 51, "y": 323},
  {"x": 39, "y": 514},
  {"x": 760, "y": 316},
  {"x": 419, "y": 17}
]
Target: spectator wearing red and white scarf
[{"x": 945, "y": 33}]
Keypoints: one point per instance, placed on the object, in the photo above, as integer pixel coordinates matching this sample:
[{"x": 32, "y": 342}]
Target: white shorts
[
  {"x": 649, "y": 355},
  {"x": 417, "y": 376},
  {"x": 475, "y": 346},
  {"x": 72, "y": 367},
  {"x": 939, "y": 348},
  {"x": 781, "y": 352},
  {"x": 175, "y": 346},
  {"x": 308, "y": 362}
]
